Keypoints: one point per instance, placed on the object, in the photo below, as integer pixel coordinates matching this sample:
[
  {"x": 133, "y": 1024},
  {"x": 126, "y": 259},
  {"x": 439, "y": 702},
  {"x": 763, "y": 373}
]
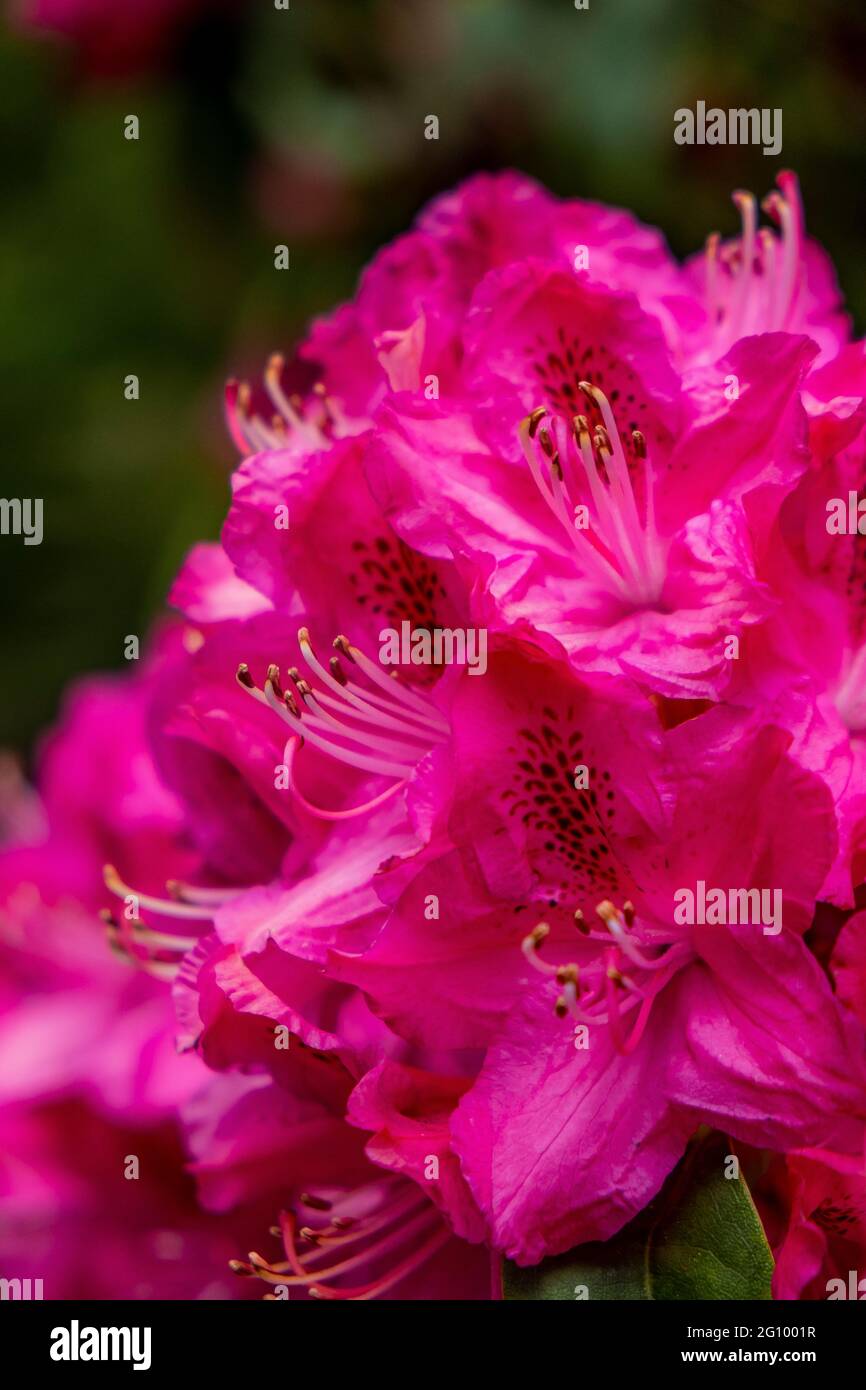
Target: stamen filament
[{"x": 167, "y": 907}]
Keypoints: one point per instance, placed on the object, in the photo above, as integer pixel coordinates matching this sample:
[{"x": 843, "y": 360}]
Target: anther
[
  {"x": 314, "y": 1203},
  {"x": 274, "y": 678},
  {"x": 581, "y": 430},
  {"x": 337, "y": 671},
  {"x": 580, "y": 921},
  {"x": 602, "y": 439},
  {"x": 606, "y": 911}
]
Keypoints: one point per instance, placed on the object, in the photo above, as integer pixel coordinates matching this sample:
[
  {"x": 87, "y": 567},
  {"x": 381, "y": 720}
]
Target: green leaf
[{"x": 700, "y": 1238}]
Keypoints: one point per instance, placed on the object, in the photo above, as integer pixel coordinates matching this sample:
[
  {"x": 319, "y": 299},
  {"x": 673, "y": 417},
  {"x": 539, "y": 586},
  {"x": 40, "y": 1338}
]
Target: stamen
[
  {"x": 378, "y": 1235},
  {"x": 352, "y": 723},
  {"x": 233, "y": 418},
  {"x": 320, "y": 811},
  {"x": 314, "y": 423},
  {"x": 192, "y": 893},
  {"x": 600, "y": 993},
  {"x": 530, "y": 945},
  {"x": 273, "y": 372},
  {"x": 573, "y": 467},
  {"x": 130, "y": 952},
  {"x": 765, "y": 268},
  {"x": 168, "y": 907}
]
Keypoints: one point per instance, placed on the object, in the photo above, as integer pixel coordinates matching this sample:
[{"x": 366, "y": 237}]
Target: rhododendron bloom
[{"x": 414, "y": 927}]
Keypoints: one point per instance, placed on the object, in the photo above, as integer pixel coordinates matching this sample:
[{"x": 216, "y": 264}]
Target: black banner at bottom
[{"x": 260, "y": 1340}]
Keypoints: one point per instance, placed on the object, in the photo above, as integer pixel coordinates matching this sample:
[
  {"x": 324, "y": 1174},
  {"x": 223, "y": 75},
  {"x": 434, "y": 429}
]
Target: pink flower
[
  {"x": 73, "y": 1215},
  {"x": 821, "y": 1253},
  {"x": 350, "y": 1224},
  {"x": 76, "y": 1020},
  {"x": 806, "y": 672},
  {"x": 681, "y": 1024},
  {"x": 91, "y": 1078},
  {"x": 421, "y": 927}
]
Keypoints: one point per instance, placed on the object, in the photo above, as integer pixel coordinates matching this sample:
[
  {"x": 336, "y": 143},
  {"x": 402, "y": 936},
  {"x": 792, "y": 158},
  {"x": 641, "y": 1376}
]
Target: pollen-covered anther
[
  {"x": 607, "y": 912},
  {"x": 337, "y": 671},
  {"x": 309, "y": 1199},
  {"x": 568, "y": 976},
  {"x": 580, "y": 921},
  {"x": 531, "y": 943},
  {"x": 588, "y": 390},
  {"x": 602, "y": 439},
  {"x": 580, "y": 430},
  {"x": 274, "y": 678}
]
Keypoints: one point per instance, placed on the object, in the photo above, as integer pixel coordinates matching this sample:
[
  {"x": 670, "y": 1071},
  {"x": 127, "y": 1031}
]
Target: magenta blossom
[
  {"x": 438, "y": 936},
  {"x": 821, "y": 1254}
]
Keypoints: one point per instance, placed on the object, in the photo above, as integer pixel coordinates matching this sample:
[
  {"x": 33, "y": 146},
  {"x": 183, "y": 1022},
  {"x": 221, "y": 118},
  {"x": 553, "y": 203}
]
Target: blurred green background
[{"x": 305, "y": 126}]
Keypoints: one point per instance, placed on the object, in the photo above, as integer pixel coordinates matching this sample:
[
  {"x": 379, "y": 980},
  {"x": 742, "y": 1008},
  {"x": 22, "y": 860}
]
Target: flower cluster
[{"x": 416, "y": 929}]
